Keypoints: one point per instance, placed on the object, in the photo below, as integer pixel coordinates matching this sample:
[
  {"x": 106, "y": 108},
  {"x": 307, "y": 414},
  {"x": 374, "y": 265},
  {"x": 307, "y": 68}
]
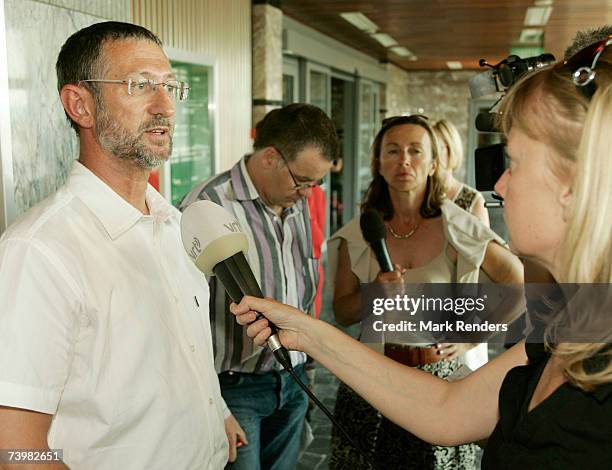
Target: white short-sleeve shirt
[{"x": 104, "y": 324}]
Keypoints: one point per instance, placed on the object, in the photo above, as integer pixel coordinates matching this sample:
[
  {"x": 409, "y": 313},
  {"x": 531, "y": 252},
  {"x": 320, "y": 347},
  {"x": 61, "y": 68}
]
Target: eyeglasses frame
[
  {"x": 183, "y": 88},
  {"x": 407, "y": 117},
  {"x": 298, "y": 186}
]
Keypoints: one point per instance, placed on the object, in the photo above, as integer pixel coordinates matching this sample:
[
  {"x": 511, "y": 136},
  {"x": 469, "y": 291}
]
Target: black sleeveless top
[{"x": 570, "y": 429}]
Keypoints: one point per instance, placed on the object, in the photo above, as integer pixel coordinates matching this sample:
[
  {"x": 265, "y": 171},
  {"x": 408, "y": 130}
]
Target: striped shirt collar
[
  {"x": 243, "y": 186},
  {"x": 245, "y": 190}
]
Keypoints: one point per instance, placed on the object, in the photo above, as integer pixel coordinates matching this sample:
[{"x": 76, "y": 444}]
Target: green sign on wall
[{"x": 193, "y": 151}]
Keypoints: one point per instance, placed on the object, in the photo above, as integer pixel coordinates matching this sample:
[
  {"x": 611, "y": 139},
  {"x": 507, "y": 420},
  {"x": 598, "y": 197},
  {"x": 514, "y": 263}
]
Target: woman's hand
[
  {"x": 393, "y": 276},
  {"x": 291, "y": 323},
  {"x": 450, "y": 351}
]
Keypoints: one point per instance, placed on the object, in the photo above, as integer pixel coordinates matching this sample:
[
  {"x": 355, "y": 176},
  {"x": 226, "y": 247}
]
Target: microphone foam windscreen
[
  {"x": 210, "y": 235},
  {"x": 372, "y": 226}
]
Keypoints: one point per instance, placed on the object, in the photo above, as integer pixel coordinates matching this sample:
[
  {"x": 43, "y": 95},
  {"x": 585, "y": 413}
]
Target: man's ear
[
  {"x": 79, "y": 105},
  {"x": 269, "y": 157}
]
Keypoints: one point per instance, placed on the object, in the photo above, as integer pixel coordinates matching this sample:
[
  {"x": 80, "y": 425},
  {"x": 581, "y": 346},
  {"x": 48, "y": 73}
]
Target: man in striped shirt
[{"x": 293, "y": 150}]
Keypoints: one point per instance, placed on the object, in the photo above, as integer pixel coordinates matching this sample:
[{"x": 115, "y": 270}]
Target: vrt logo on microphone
[
  {"x": 233, "y": 227},
  {"x": 196, "y": 248}
]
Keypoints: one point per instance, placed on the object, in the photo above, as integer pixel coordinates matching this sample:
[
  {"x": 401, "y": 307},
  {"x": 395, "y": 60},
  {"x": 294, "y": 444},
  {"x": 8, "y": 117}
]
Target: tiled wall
[
  {"x": 43, "y": 144},
  {"x": 267, "y": 59},
  {"x": 443, "y": 94}
]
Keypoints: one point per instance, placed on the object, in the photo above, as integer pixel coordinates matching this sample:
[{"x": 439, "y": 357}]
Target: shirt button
[
  {"x": 210, "y": 400},
  {"x": 192, "y": 347}
]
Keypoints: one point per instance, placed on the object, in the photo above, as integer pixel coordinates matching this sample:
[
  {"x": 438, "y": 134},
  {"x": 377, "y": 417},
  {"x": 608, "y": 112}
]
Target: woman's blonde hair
[
  {"x": 548, "y": 107},
  {"x": 449, "y": 136}
]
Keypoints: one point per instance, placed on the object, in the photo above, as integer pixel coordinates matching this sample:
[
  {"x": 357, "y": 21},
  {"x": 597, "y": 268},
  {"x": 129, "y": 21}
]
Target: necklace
[{"x": 394, "y": 234}]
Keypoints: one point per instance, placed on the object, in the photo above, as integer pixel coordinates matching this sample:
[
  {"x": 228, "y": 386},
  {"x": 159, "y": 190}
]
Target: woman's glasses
[
  {"x": 584, "y": 63},
  {"x": 407, "y": 119}
]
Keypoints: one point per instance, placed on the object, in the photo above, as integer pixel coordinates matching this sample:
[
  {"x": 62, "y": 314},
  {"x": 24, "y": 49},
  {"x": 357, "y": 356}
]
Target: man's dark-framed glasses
[{"x": 298, "y": 186}]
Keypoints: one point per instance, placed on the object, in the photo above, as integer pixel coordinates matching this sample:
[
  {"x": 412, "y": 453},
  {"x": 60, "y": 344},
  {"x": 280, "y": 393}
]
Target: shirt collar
[
  {"x": 243, "y": 186},
  {"x": 114, "y": 213},
  {"x": 244, "y": 189}
]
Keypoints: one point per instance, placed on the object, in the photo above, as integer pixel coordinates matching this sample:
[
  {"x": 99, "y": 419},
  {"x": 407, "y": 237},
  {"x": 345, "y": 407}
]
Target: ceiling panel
[{"x": 437, "y": 31}]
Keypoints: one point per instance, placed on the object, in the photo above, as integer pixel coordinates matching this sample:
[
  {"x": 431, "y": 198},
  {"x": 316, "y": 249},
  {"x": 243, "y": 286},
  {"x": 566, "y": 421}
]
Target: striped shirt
[{"x": 280, "y": 254}]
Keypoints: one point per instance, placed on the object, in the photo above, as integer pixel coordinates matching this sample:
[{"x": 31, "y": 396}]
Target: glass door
[
  {"x": 318, "y": 86},
  {"x": 291, "y": 80},
  {"x": 368, "y": 105}
]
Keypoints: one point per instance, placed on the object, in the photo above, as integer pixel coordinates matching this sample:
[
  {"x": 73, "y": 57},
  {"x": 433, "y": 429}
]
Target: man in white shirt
[{"x": 105, "y": 342}]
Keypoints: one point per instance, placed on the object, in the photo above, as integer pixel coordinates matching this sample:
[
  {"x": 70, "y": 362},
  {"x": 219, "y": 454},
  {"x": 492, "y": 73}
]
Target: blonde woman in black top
[{"x": 541, "y": 406}]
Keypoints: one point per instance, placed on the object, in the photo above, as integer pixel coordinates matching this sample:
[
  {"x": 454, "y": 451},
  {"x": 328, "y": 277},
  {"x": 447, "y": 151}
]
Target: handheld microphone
[
  {"x": 213, "y": 240},
  {"x": 374, "y": 232}
]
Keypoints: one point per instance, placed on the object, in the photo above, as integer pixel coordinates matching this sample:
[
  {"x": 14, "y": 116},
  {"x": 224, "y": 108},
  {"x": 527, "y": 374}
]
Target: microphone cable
[
  {"x": 289, "y": 368},
  {"x": 237, "y": 278}
]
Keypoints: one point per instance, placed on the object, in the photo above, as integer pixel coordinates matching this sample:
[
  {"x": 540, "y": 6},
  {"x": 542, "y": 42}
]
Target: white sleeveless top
[{"x": 464, "y": 232}]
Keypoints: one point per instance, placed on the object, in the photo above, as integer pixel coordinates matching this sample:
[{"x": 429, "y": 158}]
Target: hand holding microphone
[
  {"x": 293, "y": 324},
  {"x": 374, "y": 232},
  {"x": 213, "y": 239}
]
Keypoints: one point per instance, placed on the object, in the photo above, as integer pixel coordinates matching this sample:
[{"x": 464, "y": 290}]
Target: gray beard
[{"x": 119, "y": 142}]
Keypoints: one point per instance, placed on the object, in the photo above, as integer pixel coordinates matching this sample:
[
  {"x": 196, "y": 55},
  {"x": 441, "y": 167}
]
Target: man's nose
[
  {"x": 306, "y": 192},
  {"x": 162, "y": 103}
]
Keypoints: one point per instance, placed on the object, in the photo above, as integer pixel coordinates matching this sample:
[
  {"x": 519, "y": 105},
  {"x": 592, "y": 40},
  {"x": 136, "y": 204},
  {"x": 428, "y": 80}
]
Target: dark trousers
[{"x": 270, "y": 408}]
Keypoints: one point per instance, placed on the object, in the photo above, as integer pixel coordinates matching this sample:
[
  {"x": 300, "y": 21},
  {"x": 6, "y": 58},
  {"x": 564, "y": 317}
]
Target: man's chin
[
  {"x": 147, "y": 161},
  {"x": 157, "y": 156},
  {"x": 290, "y": 202}
]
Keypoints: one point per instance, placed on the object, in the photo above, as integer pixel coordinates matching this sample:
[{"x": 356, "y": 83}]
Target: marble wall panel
[
  {"x": 260, "y": 111},
  {"x": 267, "y": 53},
  {"x": 437, "y": 94},
  {"x": 43, "y": 143},
  {"x": 119, "y": 10}
]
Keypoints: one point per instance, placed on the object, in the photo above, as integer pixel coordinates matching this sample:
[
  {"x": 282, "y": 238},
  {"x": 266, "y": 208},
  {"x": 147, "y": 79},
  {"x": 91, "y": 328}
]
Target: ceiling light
[
  {"x": 403, "y": 52},
  {"x": 454, "y": 65},
  {"x": 531, "y": 35},
  {"x": 537, "y": 16},
  {"x": 384, "y": 39},
  {"x": 543, "y": 3},
  {"x": 360, "y": 21}
]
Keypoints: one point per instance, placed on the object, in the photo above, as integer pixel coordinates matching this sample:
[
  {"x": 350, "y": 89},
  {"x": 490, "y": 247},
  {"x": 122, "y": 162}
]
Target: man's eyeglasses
[
  {"x": 584, "y": 63},
  {"x": 144, "y": 87},
  {"x": 297, "y": 186}
]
